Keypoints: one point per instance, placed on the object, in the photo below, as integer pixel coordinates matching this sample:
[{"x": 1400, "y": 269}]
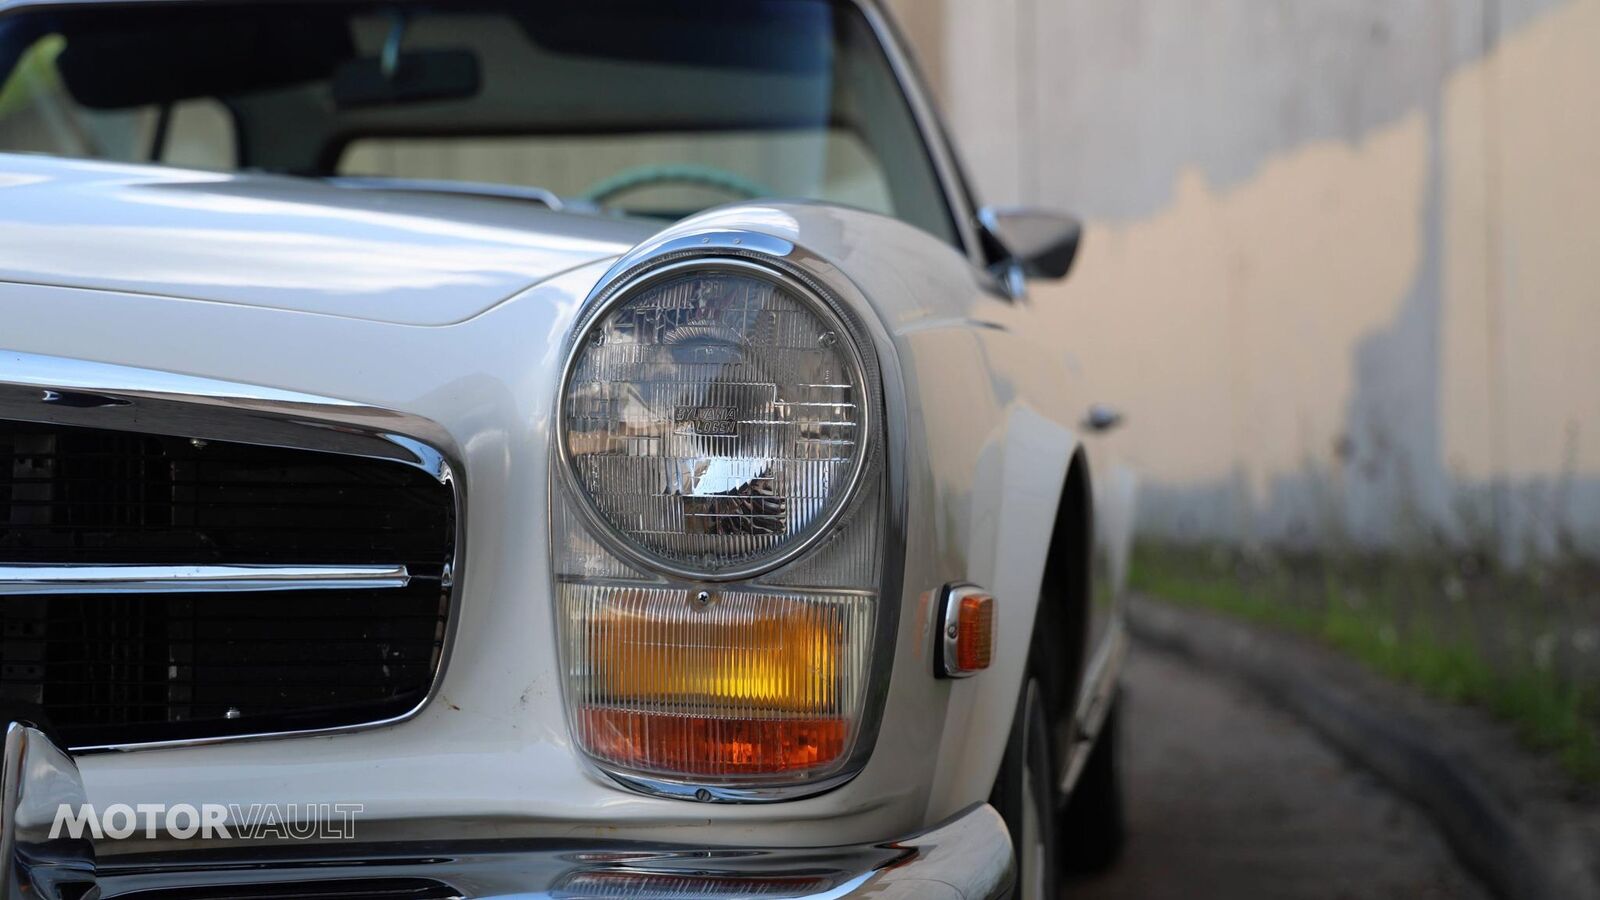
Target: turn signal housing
[
  {"x": 716, "y": 684},
  {"x": 966, "y": 632}
]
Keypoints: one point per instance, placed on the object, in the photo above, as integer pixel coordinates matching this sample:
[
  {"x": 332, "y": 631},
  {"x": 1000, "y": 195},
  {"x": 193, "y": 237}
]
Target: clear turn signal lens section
[{"x": 725, "y": 687}]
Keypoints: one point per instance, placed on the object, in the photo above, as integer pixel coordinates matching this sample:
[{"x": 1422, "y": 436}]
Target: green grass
[{"x": 1366, "y": 623}]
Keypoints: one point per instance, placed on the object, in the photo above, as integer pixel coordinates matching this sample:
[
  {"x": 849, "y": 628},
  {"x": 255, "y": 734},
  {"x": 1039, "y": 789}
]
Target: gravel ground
[{"x": 1230, "y": 798}]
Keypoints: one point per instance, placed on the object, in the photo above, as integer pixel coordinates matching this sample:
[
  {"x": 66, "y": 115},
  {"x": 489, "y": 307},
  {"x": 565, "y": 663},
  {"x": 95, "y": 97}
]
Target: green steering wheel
[{"x": 682, "y": 173}]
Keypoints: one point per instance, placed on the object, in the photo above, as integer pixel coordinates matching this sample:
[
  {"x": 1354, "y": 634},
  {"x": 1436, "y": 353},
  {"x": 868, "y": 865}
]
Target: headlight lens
[{"x": 714, "y": 419}]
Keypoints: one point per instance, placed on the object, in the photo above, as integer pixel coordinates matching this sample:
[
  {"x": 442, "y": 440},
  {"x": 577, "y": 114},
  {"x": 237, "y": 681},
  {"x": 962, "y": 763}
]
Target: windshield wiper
[{"x": 460, "y": 188}]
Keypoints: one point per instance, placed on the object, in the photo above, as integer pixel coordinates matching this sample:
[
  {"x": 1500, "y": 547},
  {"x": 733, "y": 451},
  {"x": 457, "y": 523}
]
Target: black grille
[{"x": 152, "y": 666}]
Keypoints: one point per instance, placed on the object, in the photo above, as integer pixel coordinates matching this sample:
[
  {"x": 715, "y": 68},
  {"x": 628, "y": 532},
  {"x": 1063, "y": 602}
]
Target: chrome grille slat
[
  {"x": 158, "y": 588},
  {"x": 45, "y": 578}
]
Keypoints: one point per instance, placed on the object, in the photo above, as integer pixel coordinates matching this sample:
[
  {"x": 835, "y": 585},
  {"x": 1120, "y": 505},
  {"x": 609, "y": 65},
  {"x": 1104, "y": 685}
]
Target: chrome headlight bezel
[{"x": 858, "y": 352}]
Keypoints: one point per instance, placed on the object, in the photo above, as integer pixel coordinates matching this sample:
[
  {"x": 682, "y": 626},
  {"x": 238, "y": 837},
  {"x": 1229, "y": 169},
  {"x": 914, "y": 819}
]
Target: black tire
[
  {"x": 1025, "y": 796},
  {"x": 1094, "y": 826}
]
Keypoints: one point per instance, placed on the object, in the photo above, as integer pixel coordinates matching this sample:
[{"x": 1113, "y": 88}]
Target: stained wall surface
[{"x": 1342, "y": 264}]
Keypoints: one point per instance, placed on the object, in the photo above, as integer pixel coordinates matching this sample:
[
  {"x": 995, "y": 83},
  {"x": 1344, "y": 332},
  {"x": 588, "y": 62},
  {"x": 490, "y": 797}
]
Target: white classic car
[{"x": 594, "y": 450}]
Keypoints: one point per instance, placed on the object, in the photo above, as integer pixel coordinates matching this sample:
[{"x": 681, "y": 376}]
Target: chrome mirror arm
[{"x": 37, "y": 778}]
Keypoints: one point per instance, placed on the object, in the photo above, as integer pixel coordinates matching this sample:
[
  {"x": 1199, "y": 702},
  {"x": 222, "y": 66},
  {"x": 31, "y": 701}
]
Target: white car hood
[{"x": 285, "y": 243}]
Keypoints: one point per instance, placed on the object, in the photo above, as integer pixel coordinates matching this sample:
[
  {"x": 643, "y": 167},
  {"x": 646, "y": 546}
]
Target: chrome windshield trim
[
  {"x": 930, "y": 125},
  {"x": 64, "y": 391},
  {"x": 29, "y": 579}
]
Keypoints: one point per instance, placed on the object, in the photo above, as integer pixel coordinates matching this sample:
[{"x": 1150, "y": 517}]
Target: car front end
[
  {"x": 452, "y": 710},
  {"x": 370, "y": 531}
]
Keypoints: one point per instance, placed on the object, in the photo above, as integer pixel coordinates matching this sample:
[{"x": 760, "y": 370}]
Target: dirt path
[{"x": 1229, "y": 798}]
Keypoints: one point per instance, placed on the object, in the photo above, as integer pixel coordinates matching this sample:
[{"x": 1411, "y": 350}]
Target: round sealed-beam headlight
[{"x": 715, "y": 417}]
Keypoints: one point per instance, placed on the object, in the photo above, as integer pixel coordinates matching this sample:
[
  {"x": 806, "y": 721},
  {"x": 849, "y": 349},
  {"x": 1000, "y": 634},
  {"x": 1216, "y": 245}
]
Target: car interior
[{"x": 774, "y": 98}]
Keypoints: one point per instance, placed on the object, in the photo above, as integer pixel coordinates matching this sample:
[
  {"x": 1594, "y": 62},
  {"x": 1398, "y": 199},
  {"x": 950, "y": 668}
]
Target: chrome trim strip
[
  {"x": 148, "y": 401},
  {"x": 26, "y": 579},
  {"x": 1094, "y": 703},
  {"x": 714, "y": 793},
  {"x": 60, "y": 391},
  {"x": 966, "y": 857}
]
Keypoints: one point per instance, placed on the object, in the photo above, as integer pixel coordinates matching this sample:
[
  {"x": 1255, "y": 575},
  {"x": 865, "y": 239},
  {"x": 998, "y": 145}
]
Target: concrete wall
[{"x": 1343, "y": 262}]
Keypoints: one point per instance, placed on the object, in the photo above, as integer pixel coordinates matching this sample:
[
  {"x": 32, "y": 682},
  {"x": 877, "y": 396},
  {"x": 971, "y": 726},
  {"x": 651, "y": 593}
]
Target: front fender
[{"x": 986, "y": 433}]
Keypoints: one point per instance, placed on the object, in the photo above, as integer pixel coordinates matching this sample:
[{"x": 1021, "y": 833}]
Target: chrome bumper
[{"x": 968, "y": 857}]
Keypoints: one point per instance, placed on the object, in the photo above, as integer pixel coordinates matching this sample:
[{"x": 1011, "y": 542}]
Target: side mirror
[{"x": 1042, "y": 243}]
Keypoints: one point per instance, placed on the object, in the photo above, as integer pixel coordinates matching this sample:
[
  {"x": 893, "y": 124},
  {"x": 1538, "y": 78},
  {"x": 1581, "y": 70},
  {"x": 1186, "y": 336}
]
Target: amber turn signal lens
[
  {"x": 721, "y": 685},
  {"x": 975, "y": 633},
  {"x": 706, "y": 745}
]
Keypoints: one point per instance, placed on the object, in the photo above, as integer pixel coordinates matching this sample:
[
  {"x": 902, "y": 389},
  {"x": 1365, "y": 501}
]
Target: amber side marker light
[{"x": 966, "y": 632}]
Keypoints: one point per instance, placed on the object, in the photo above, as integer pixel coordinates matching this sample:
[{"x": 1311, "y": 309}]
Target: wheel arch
[{"x": 1060, "y": 636}]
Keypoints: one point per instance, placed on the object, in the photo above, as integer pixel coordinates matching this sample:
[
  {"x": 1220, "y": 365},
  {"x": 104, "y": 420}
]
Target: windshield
[{"x": 649, "y": 107}]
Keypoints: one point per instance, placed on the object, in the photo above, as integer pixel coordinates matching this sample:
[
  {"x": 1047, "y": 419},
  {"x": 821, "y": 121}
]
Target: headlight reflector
[{"x": 714, "y": 419}]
